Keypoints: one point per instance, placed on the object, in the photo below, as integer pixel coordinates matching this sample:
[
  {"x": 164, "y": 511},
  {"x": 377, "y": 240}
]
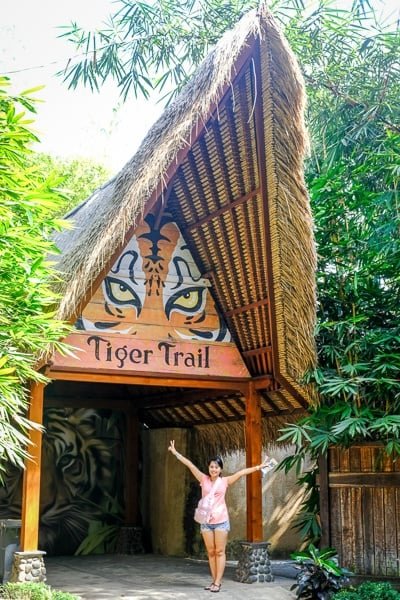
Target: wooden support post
[
  {"x": 253, "y": 434},
  {"x": 31, "y": 476},
  {"x": 324, "y": 500},
  {"x": 131, "y": 469}
]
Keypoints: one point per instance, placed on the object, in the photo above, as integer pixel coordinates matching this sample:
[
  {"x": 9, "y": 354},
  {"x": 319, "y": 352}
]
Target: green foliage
[
  {"x": 33, "y": 591},
  {"x": 26, "y": 591},
  {"x": 59, "y": 595},
  {"x": 351, "y": 69},
  {"x": 77, "y": 178},
  {"x": 369, "y": 591},
  {"x": 147, "y": 46},
  {"x": 154, "y": 46},
  {"x": 319, "y": 576},
  {"x": 27, "y": 324},
  {"x": 102, "y": 536}
]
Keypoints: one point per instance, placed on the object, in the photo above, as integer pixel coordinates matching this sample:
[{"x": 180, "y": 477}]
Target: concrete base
[
  {"x": 130, "y": 540},
  {"x": 254, "y": 565},
  {"x": 28, "y": 566}
]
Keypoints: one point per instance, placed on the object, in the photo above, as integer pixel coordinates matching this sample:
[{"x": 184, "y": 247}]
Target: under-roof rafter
[
  {"x": 234, "y": 225},
  {"x": 247, "y": 307},
  {"x": 220, "y": 211},
  {"x": 216, "y": 406},
  {"x": 216, "y": 228},
  {"x": 232, "y": 408}
]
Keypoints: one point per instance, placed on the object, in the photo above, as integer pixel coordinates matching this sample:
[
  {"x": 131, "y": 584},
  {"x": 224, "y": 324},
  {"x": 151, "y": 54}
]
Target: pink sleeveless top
[{"x": 220, "y": 510}]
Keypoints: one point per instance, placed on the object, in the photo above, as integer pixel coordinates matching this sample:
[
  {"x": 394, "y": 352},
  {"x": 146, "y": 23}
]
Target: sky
[
  {"x": 69, "y": 123},
  {"x": 77, "y": 123}
]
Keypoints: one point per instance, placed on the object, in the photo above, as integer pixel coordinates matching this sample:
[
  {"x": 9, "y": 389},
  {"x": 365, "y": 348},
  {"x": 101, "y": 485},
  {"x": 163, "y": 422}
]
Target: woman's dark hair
[{"x": 216, "y": 459}]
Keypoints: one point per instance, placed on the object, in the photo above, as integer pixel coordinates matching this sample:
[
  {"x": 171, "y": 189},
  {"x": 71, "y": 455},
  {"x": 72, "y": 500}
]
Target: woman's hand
[
  {"x": 185, "y": 461},
  {"x": 264, "y": 463},
  {"x": 172, "y": 448}
]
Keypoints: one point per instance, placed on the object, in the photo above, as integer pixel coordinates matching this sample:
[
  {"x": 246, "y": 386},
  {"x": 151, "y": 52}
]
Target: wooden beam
[
  {"x": 186, "y": 412},
  {"x": 228, "y": 403},
  {"x": 241, "y": 402},
  {"x": 220, "y": 410},
  {"x": 286, "y": 385},
  {"x": 206, "y": 409},
  {"x": 195, "y": 410},
  {"x": 153, "y": 418},
  {"x": 271, "y": 407},
  {"x": 263, "y": 382},
  {"x": 181, "y": 397},
  {"x": 89, "y": 402},
  {"x": 288, "y": 403},
  {"x": 324, "y": 500},
  {"x": 247, "y": 307},
  {"x": 253, "y": 435},
  {"x": 257, "y": 352},
  {"x": 220, "y": 211},
  {"x": 162, "y": 201},
  {"x": 239, "y": 385},
  {"x": 31, "y": 476}
]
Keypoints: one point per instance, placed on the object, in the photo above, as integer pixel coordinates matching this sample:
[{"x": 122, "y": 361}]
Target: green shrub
[
  {"x": 369, "y": 590},
  {"x": 319, "y": 576},
  {"x": 58, "y": 595},
  {"x": 25, "y": 591},
  {"x": 32, "y": 591}
]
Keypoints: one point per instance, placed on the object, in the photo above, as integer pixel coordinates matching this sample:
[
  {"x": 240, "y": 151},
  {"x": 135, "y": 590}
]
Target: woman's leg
[
  {"x": 221, "y": 537},
  {"x": 209, "y": 542}
]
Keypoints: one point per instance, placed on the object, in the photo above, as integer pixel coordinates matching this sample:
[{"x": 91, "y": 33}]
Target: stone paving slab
[{"x": 153, "y": 577}]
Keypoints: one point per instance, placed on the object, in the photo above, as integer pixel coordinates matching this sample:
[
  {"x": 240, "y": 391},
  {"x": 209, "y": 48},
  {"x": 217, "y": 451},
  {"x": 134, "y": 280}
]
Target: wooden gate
[{"x": 360, "y": 509}]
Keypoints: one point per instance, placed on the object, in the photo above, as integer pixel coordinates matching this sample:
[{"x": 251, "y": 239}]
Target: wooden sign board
[{"x": 122, "y": 354}]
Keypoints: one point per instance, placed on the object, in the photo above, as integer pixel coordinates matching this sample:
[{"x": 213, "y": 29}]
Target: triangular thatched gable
[{"x": 226, "y": 160}]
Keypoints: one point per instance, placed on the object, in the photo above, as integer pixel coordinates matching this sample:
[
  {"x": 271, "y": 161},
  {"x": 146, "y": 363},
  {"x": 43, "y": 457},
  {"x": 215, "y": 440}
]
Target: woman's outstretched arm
[
  {"x": 235, "y": 476},
  {"x": 185, "y": 461}
]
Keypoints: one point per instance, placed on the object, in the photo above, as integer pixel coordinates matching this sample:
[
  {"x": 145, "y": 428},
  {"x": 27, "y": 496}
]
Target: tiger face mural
[
  {"x": 79, "y": 481},
  {"x": 155, "y": 291}
]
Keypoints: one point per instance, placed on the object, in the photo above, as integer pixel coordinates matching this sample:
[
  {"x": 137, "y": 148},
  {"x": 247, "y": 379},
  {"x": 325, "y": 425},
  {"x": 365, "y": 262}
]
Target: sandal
[
  {"x": 209, "y": 586},
  {"x": 215, "y": 587}
]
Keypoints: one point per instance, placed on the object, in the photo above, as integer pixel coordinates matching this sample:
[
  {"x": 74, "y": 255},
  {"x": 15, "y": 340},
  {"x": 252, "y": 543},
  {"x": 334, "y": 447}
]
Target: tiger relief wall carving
[
  {"x": 81, "y": 483},
  {"x": 154, "y": 313}
]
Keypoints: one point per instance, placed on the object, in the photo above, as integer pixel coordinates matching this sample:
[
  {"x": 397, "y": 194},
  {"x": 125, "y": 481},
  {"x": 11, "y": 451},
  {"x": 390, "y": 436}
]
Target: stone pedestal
[
  {"x": 130, "y": 540},
  {"x": 254, "y": 565},
  {"x": 28, "y": 566}
]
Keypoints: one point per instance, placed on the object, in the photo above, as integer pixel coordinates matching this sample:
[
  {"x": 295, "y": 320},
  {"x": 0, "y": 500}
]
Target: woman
[{"x": 215, "y": 533}]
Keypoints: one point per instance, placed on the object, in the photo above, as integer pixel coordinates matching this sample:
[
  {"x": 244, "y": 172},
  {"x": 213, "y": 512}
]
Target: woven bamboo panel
[{"x": 216, "y": 196}]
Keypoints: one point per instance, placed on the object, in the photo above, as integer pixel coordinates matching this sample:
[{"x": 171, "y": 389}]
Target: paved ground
[{"x": 151, "y": 577}]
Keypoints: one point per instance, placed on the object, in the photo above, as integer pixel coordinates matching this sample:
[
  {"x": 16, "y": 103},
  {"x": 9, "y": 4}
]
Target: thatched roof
[{"x": 226, "y": 159}]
